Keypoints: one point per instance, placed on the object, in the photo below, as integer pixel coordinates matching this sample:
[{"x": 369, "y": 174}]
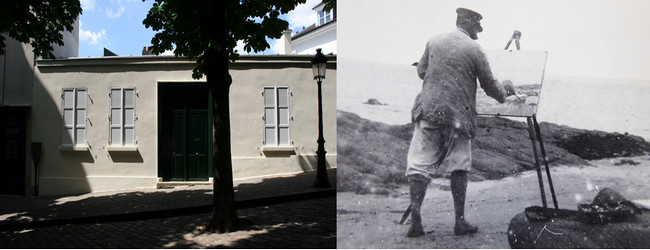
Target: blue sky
[{"x": 117, "y": 26}]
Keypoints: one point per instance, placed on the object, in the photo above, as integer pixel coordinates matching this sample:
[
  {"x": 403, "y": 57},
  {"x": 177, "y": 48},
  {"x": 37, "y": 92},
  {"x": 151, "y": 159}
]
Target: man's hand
[{"x": 510, "y": 89}]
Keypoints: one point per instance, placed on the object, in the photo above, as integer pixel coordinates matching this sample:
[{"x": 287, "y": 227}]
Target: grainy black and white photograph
[{"x": 493, "y": 124}]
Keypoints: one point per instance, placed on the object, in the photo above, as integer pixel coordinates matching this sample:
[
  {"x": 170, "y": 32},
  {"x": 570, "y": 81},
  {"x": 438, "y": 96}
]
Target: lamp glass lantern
[{"x": 319, "y": 65}]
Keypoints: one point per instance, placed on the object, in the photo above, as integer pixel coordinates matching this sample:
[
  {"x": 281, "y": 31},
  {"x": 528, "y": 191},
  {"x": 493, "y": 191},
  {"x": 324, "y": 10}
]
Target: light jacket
[{"x": 449, "y": 68}]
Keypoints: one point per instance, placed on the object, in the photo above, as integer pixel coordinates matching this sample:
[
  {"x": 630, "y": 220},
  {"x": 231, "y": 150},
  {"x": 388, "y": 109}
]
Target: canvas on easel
[{"x": 525, "y": 70}]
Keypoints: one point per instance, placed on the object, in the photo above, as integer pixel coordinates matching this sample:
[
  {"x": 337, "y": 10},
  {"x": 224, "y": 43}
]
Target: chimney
[
  {"x": 146, "y": 52},
  {"x": 286, "y": 42}
]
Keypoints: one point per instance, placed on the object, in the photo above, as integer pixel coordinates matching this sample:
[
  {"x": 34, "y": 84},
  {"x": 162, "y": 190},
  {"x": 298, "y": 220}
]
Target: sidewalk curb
[{"x": 167, "y": 213}]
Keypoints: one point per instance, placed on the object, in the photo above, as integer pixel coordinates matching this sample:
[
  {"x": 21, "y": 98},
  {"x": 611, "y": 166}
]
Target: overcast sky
[
  {"x": 587, "y": 38},
  {"x": 117, "y": 26}
]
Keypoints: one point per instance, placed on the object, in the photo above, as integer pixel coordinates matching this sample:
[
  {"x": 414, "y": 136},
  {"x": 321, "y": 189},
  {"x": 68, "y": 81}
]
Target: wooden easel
[{"x": 536, "y": 135}]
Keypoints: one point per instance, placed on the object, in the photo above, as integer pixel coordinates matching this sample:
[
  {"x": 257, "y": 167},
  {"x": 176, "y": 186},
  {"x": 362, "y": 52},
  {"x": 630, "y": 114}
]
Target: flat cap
[{"x": 468, "y": 14}]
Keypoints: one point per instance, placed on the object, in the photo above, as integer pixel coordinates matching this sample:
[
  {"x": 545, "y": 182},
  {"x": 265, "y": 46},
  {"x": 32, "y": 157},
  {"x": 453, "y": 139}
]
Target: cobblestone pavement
[
  {"x": 302, "y": 224},
  {"x": 22, "y": 210}
]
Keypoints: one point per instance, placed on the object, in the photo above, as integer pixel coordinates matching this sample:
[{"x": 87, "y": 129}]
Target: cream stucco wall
[
  {"x": 16, "y": 74},
  {"x": 98, "y": 168},
  {"x": 249, "y": 155}
]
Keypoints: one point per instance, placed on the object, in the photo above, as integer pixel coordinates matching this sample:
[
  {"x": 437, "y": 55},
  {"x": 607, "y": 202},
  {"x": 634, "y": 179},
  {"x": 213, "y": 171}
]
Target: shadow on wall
[
  {"x": 126, "y": 156},
  {"x": 59, "y": 170},
  {"x": 309, "y": 163}
]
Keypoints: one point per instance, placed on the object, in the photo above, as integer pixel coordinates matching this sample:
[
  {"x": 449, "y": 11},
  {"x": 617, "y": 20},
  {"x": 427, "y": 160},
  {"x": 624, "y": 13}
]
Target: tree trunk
[{"x": 224, "y": 216}]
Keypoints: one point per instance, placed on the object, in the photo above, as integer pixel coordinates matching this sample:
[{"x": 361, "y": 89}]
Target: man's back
[{"x": 449, "y": 67}]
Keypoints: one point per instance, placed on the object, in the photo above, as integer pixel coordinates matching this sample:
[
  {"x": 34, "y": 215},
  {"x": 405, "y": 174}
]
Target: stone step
[{"x": 173, "y": 184}]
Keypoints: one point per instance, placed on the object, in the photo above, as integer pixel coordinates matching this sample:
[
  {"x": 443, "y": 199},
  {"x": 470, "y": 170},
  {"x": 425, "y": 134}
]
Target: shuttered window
[
  {"x": 74, "y": 106},
  {"x": 276, "y": 116},
  {"x": 122, "y": 117}
]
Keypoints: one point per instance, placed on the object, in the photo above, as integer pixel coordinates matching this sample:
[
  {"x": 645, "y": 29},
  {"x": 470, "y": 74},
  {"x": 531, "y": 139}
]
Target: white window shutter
[
  {"x": 283, "y": 116},
  {"x": 116, "y": 117},
  {"x": 122, "y": 119},
  {"x": 68, "y": 98},
  {"x": 276, "y": 116},
  {"x": 129, "y": 116},
  {"x": 80, "y": 117},
  {"x": 269, "y": 116},
  {"x": 67, "y": 128},
  {"x": 74, "y": 104}
]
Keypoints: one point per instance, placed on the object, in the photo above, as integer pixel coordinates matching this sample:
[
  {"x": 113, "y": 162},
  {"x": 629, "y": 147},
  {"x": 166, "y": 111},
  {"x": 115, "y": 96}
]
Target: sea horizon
[{"x": 604, "y": 104}]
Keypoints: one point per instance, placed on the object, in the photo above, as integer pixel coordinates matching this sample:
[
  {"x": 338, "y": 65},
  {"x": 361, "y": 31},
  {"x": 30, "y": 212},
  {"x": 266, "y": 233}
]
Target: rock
[
  {"x": 373, "y": 101},
  {"x": 501, "y": 148},
  {"x": 627, "y": 162},
  {"x": 592, "y": 145},
  {"x": 577, "y": 229},
  {"x": 572, "y": 233}
]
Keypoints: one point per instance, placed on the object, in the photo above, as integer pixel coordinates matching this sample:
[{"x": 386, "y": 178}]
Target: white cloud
[
  {"x": 302, "y": 15},
  {"x": 240, "y": 48},
  {"x": 276, "y": 46},
  {"x": 95, "y": 38},
  {"x": 113, "y": 15},
  {"x": 88, "y": 5}
]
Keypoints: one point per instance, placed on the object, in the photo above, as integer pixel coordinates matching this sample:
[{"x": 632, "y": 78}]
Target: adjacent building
[{"x": 321, "y": 34}]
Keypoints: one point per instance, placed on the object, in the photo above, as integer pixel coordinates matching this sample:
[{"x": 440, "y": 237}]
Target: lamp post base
[
  {"x": 322, "y": 181},
  {"x": 322, "y": 184}
]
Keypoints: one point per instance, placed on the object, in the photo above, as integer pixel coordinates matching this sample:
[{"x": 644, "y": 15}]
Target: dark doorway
[
  {"x": 12, "y": 151},
  {"x": 185, "y": 125}
]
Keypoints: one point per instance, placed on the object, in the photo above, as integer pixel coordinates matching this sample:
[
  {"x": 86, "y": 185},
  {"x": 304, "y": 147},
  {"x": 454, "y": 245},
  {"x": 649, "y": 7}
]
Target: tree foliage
[
  {"x": 37, "y": 22},
  {"x": 329, "y": 5},
  {"x": 190, "y": 26}
]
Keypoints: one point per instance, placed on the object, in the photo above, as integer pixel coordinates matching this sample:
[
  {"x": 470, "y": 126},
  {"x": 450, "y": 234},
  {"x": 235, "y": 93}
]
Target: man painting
[{"x": 444, "y": 115}]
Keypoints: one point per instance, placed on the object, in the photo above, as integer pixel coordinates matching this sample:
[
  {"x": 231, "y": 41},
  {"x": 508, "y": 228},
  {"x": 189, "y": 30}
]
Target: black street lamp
[{"x": 319, "y": 65}]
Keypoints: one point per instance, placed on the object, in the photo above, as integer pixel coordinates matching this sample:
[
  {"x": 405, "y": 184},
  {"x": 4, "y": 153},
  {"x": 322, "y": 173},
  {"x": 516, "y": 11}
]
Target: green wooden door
[
  {"x": 197, "y": 157},
  {"x": 190, "y": 148},
  {"x": 179, "y": 148}
]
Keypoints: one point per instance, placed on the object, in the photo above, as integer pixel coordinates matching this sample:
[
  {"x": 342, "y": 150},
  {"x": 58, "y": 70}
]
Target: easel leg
[
  {"x": 548, "y": 171},
  {"x": 531, "y": 131}
]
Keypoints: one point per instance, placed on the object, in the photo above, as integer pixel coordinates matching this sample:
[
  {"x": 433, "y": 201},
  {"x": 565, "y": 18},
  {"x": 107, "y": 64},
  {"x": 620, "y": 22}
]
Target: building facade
[{"x": 114, "y": 123}]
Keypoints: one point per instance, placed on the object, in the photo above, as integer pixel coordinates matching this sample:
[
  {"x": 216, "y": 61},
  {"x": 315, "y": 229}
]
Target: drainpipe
[
  {"x": 36, "y": 157},
  {"x": 4, "y": 76}
]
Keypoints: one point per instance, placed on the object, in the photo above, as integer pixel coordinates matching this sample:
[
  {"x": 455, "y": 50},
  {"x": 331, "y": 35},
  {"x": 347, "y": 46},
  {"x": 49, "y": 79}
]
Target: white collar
[{"x": 464, "y": 31}]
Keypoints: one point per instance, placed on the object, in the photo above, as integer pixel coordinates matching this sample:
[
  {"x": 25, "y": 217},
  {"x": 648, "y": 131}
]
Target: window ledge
[
  {"x": 73, "y": 148},
  {"x": 122, "y": 149},
  {"x": 277, "y": 149}
]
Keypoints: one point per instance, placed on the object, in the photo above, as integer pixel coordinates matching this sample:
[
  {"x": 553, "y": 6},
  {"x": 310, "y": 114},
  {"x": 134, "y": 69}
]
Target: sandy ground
[{"x": 370, "y": 221}]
